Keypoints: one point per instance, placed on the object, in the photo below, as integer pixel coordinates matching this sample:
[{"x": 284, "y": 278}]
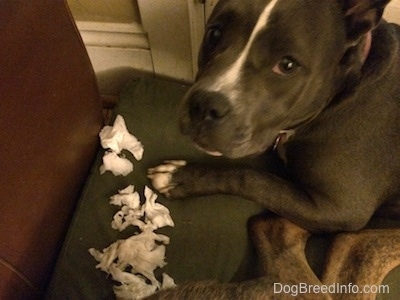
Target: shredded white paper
[
  {"x": 132, "y": 262},
  {"x": 156, "y": 213},
  {"x": 116, "y": 164},
  {"x": 116, "y": 138}
]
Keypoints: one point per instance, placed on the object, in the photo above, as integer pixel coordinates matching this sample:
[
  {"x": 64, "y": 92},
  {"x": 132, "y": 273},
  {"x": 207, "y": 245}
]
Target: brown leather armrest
[
  {"x": 50, "y": 114},
  {"x": 13, "y": 283}
]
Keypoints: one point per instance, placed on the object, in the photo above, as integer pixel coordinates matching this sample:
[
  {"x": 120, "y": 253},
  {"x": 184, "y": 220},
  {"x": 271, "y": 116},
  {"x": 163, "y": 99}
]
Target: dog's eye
[
  {"x": 213, "y": 36},
  {"x": 211, "y": 40},
  {"x": 286, "y": 66}
]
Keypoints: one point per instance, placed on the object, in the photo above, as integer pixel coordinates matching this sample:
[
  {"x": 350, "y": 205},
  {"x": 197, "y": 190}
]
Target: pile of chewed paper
[
  {"x": 132, "y": 262},
  {"x": 115, "y": 139}
]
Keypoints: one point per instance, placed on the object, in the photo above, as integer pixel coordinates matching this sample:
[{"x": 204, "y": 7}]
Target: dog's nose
[{"x": 208, "y": 106}]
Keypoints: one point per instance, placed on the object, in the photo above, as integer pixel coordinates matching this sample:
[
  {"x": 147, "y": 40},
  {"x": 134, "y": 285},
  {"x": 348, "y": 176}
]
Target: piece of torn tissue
[
  {"x": 116, "y": 138},
  {"x": 116, "y": 164},
  {"x": 132, "y": 262}
]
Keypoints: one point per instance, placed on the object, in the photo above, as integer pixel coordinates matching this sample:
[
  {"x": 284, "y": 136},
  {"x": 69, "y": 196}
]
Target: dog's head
[{"x": 272, "y": 65}]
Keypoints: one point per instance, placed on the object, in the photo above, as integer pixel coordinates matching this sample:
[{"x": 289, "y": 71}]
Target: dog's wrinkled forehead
[
  {"x": 236, "y": 20},
  {"x": 239, "y": 31},
  {"x": 234, "y": 70},
  {"x": 253, "y": 28}
]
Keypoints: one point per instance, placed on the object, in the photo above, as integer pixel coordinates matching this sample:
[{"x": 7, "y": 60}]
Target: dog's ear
[{"x": 362, "y": 16}]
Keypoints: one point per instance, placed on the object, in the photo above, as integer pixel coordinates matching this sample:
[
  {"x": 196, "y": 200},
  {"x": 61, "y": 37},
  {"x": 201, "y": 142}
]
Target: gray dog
[{"x": 319, "y": 82}]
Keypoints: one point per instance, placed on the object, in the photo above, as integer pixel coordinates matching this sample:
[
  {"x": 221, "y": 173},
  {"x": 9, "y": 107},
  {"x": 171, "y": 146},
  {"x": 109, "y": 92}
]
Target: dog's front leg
[{"x": 310, "y": 209}]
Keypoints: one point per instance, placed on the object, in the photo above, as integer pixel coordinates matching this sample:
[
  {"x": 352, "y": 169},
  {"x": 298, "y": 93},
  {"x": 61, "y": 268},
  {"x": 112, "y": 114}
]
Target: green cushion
[{"x": 209, "y": 240}]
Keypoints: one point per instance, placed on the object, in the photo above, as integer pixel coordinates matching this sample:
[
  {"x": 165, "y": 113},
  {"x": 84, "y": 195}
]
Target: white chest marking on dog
[{"x": 231, "y": 76}]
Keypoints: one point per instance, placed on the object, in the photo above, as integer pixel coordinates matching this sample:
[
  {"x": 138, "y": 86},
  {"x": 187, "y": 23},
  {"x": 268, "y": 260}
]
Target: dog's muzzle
[
  {"x": 219, "y": 128},
  {"x": 206, "y": 117},
  {"x": 207, "y": 109}
]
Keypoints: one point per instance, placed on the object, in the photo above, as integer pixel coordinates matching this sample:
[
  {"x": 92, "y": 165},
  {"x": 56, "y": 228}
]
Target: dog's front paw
[{"x": 161, "y": 176}]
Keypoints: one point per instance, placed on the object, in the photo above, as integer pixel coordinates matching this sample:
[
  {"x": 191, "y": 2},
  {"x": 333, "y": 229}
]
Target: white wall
[
  {"x": 118, "y": 35},
  {"x": 167, "y": 24},
  {"x": 392, "y": 12},
  {"x": 115, "y": 39},
  {"x": 114, "y": 11}
]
